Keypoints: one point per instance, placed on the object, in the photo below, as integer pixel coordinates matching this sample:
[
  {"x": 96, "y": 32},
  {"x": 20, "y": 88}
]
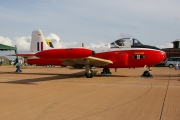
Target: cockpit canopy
[
  {"x": 130, "y": 43},
  {"x": 125, "y": 42}
]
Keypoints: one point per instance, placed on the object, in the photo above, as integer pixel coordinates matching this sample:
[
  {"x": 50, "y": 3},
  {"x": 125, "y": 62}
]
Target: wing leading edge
[
  {"x": 91, "y": 61},
  {"x": 98, "y": 61}
]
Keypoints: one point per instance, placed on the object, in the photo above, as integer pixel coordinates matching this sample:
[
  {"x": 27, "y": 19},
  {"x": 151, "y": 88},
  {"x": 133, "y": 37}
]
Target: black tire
[
  {"x": 89, "y": 75},
  {"x": 171, "y": 66},
  {"x": 146, "y": 74},
  {"x": 106, "y": 71}
]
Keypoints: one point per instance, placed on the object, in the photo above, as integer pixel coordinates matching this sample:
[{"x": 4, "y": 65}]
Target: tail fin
[{"x": 38, "y": 42}]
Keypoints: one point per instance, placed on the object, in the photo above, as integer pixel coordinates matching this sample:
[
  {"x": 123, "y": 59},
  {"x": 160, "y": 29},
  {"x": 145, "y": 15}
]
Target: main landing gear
[
  {"x": 106, "y": 71},
  {"x": 88, "y": 72},
  {"x": 147, "y": 73}
]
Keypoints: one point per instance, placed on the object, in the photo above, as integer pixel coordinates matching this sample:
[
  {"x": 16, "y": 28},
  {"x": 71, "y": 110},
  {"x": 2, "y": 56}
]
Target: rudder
[{"x": 38, "y": 42}]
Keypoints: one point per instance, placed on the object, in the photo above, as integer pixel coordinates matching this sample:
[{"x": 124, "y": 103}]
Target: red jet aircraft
[{"x": 122, "y": 54}]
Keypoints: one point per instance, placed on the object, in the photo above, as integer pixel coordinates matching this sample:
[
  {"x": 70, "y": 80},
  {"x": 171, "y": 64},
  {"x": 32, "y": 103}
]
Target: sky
[{"x": 72, "y": 22}]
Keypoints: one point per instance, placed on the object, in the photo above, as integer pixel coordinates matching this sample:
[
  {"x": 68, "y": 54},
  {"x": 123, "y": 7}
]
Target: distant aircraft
[{"x": 121, "y": 55}]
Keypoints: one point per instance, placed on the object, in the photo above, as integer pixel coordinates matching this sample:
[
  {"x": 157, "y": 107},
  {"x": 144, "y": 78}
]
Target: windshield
[
  {"x": 121, "y": 43},
  {"x": 125, "y": 42},
  {"x": 136, "y": 42}
]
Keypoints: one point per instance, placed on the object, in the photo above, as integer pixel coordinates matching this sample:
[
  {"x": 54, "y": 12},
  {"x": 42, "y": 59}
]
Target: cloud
[
  {"x": 57, "y": 43},
  {"x": 99, "y": 47},
  {"x": 69, "y": 44},
  {"x": 53, "y": 37},
  {"x": 22, "y": 43},
  {"x": 6, "y": 41},
  {"x": 166, "y": 45},
  {"x": 55, "y": 40}
]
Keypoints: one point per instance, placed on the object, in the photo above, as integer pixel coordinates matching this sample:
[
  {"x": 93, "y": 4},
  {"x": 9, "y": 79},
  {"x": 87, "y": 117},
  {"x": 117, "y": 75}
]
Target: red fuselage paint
[
  {"x": 131, "y": 58},
  {"x": 39, "y": 61},
  {"x": 121, "y": 58},
  {"x": 62, "y": 53}
]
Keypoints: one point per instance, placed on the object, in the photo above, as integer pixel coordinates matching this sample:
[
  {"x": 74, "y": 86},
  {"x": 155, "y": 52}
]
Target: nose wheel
[{"x": 147, "y": 73}]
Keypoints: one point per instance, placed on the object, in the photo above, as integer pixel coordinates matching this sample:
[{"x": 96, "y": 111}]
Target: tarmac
[{"x": 42, "y": 93}]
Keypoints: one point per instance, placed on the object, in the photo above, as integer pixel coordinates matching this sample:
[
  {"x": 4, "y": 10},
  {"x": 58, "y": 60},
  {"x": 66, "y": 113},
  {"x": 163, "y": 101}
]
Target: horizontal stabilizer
[{"x": 23, "y": 55}]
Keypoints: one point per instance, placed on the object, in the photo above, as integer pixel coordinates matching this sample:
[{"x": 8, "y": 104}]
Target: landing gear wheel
[
  {"x": 147, "y": 74},
  {"x": 106, "y": 71},
  {"x": 90, "y": 74},
  {"x": 171, "y": 66}
]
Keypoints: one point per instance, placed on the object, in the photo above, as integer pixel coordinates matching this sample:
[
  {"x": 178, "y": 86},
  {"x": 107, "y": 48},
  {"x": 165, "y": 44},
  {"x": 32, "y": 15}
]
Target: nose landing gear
[{"x": 147, "y": 73}]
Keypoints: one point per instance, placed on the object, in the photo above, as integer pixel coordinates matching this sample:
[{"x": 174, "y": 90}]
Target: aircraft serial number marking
[{"x": 138, "y": 57}]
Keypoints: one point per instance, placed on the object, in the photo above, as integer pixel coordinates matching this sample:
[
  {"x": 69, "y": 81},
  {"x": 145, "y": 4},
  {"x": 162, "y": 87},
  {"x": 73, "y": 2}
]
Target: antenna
[{"x": 82, "y": 44}]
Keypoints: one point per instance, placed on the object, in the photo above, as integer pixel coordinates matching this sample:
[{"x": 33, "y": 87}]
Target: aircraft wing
[
  {"x": 98, "y": 61},
  {"x": 91, "y": 60},
  {"x": 23, "y": 55}
]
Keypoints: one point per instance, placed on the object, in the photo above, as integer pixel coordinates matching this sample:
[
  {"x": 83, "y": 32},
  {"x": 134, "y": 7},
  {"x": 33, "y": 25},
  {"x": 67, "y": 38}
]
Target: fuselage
[
  {"x": 121, "y": 58},
  {"x": 132, "y": 57}
]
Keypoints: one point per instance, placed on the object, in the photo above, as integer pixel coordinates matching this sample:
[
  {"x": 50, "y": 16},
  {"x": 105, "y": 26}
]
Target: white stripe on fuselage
[{"x": 125, "y": 49}]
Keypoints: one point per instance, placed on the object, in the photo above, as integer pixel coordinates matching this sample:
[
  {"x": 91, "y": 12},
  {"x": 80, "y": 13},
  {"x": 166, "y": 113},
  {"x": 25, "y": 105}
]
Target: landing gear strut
[
  {"x": 88, "y": 72},
  {"x": 147, "y": 73},
  {"x": 106, "y": 71}
]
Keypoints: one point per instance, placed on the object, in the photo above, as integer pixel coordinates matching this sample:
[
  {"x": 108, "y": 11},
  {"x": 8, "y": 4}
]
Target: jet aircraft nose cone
[{"x": 164, "y": 54}]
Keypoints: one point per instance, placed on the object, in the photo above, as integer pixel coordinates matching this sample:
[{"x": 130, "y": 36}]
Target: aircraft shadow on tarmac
[
  {"x": 99, "y": 75},
  {"x": 54, "y": 77},
  {"x": 49, "y": 78}
]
